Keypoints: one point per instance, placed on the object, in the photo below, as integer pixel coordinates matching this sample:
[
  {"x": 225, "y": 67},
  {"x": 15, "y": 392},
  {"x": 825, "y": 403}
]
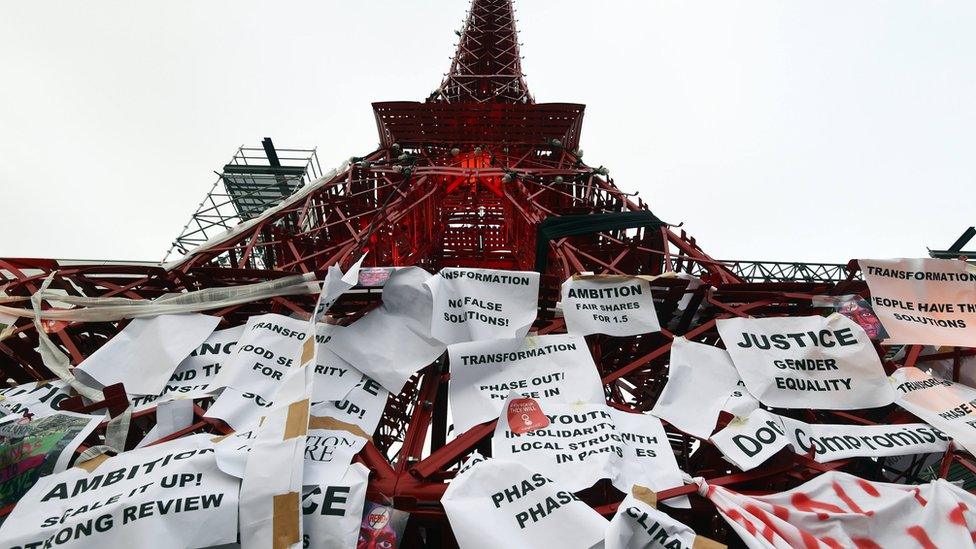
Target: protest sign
[
  {"x": 382, "y": 526},
  {"x": 329, "y": 448},
  {"x": 475, "y": 304},
  {"x": 551, "y": 368},
  {"x": 749, "y": 441},
  {"x": 38, "y": 398},
  {"x": 588, "y": 442},
  {"x": 168, "y": 495},
  {"x": 609, "y": 304},
  {"x": 145, "y": 353},
  {"x": 832, "y": 442},
  {"x": 193, "y": 376},
  {"x": 924, "y": 301},
  {"x": 807, "y": 362},
  {"x": 855, "y": 308},
  {"x": 392, "y": 342},
  {"x": 270, "y": 344},
  {"x": 948, "y": 406},
  {"x": 331, "y": 512},
  {"x": 740, "y": 401},
  {"x": 523, "y": 414},
  {"x": 31, "y": 449},
  {"x": 362, "y": 406},
  {"x": 333, "y": 377},
  {"x": 501, "y": 503},
  {"x": 841, "y": 510},
  {"x": 700, "y": 380},
  {"x": 639, "y": 525}
]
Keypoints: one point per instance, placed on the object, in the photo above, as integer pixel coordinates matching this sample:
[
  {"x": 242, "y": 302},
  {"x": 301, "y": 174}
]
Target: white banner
[
  {"x": 145, "y": 353},
  {"x": 639, "y": 525},
  {"x": 609, "y": 304},
  {"x": 392, "y": 342},
  {"x": 588, "y": 442},
  {"x": 701, "y": 379},
  {"x": 168, "y": 495},
  {"x": 333, "y": 377},
  {"x": 924, "y": 301},
  {"x": 950, "y": 407},
  {"x": 475, "y": 304},
  {"x": 807, "y": 362},
  {"x": 498, "y": 503},
  {"x": 749, "y": 441},
  {"x": 831, "y": 442},
  {"x": 332, "y": 512},
  {"x": 550, "y": 368},
  {"x": 841, "y": 510},
  {"x": 192, "y": 377}
]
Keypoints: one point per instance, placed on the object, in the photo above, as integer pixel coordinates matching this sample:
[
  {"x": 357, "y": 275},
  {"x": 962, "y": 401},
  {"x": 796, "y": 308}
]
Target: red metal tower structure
[{"x": 478, "y": 175}]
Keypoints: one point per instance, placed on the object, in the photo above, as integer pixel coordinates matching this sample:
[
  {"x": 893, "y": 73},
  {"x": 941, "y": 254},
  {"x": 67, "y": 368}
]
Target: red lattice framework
[{"x": 465, "y": 179}]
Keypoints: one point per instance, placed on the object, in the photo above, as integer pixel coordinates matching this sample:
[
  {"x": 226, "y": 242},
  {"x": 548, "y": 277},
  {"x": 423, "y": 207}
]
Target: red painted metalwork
[{"x": 465, "y": 179}]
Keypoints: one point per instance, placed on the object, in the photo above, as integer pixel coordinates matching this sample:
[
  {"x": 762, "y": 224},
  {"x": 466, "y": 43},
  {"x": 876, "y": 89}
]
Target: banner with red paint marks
[{"x": 838, "y": 510}]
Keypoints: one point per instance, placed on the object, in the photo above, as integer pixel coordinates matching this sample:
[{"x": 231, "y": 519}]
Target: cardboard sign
[
  {"x": 551, "y": 368},
  {"x": 31, "y": 449},
  {"x": 950, "y": 407},
  {"x": 748, "y": 442},
  {"x": 331, "y": 512},
  {"x": 923, "y": 301},
  {"x": 588, "y": 442},
  {"x": 841, "y": 510},
  {"x": 609, "y": 304},
  {"x": 501, "y": 503},
  {"x": 168, "y": 495},
  {"x": 193, "y": 376},
  {"x": 807, "y": 362},
  {"x": 392, "y": 342},
  {"x": 145, "y": 353},
  {"x": 476, "y": 304},
  {"x": 700, "y": 380}
]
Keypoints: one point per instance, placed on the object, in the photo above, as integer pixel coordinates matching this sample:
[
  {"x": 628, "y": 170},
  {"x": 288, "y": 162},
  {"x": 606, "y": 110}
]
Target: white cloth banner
[
  {"x": 145, "y": 353},
  {"x": 749, "y": 441},
  {"x": 331, "y": 512},
  {"x": 609, "y": 304},
  {"x": 499, "y": 503},
  {"x": 807, "y": 362},
  {"x": 948, "y": 406},
  {"x": 701, "y": 379},
  {"x": 831, "y": 442},
  {"x": 192, "y": 377},
  {"x": 638, "y": 525},
  {"x": 550, "y": 368},
  {"x": 392, "y": 342},
  {"x": 168, "y": 495},
  {"x": 588, "y": 442},
  {"x": 475, "y": 304},
  {"x": 41, "y": 398},
  {"x": 841, "y": 510},
  {"x": 923, "y": 301}
]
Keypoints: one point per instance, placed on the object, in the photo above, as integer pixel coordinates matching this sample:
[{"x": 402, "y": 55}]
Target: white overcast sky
[{"x": 800, "y": 130}]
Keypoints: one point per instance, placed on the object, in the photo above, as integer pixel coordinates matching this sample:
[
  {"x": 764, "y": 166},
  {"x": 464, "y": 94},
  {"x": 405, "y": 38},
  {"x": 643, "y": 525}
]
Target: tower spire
[{"x": 486, "y": 67}]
